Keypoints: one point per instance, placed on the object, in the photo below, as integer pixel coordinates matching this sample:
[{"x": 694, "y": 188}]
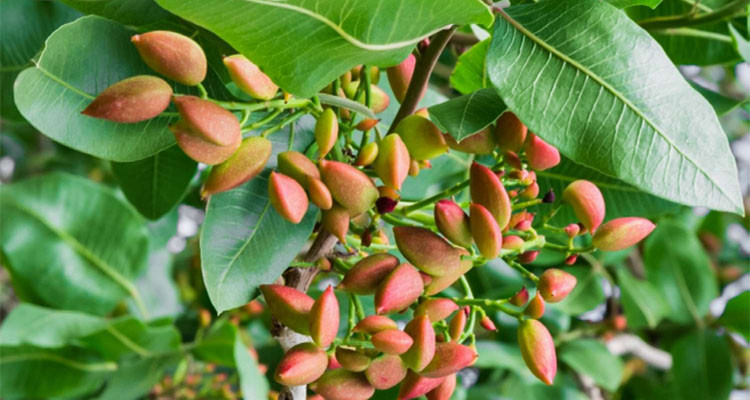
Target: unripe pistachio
[
  {"x": 423, "y": 138},
  {"x": 367, "y": 154},
  {"x": 481, "y": 143},
  {"x": 415, "y": 385},
  {"x": 341, "y": 384},
  {"x": 571, "y": 259},
  {"x": 413, "y": 168},
  {"x": 289, "y": 306},
  {"x": 326, "y": 131},
  {"x": 346, "y": 78},
  {"x": 386, "y": 371},
  {"x": 392, "y": 163},
  {"x": 297, "y": 166},
  {"x": 485, "y": 231},
  {"x": 379, "y": 99},
  {"x": 520, "y": 298},
  {"x": 453, "y": 222},
  {"x": 352, "y": 360},
  {"x": 319, "y": 193},
  {"x": 572, "y": 230},
  {"x": 385, "y": 204},
  {"x": 511, "y": 158},
  {"x": 323, "y": 264},
  {"x": 287, "y": 197},
  {"x": 523, "y": 226},
  {"x": 302, "y": 364},
  {"x": 367, "y": 124},
  {"x": 444, "y": 391},
  {"x": 173, "y": 55},
  {"x": 333, "y": 363},
  {"x": 457, "y": 324},
  {"x": 365, "y": 276},
  {"x": 245, "y": 164},
  {"x": 513, "y": 242},
  {"x": 538, "y": 350},
  {"x": 392, "y": 341},
  {"x": 208, "y": 121},
  {"x": 426, "y": 250},
  {"x": 487, "y": 324},
  {"x": 349, "y": 186},
  {"x": 488, "y": 191},
  {"x": 450, "y": 357},
  {"x": 528, "y": 256},
  {"x": 517, "y": 218},
  {"x": 249, "y": 78},
  {"x": 535, "y": 308},
  {"x": 400, "y": 75},
  {"x": 510, "y": 132},
  {"x": 197, "y": 147},
  {"x": 336, "y": 221},
  {"x": 324, "y": 318},
  {"x": 622, "y": 233},
  {"x": 540, "y": 154},
  {"x": 436, "y": 309},
  {"x": 398, "y": 290},
  {"x": 426, "y": 279},
  {"x": 530, "y": 192},
  {"x": 421, "y": 352},
  {"x": 375, "y": 323},
  {"x": 587, "y": 202},
  {"x": 386, "y": 191},
  {"x": 439, "y": 283},
  {"x": 131, "y": 100},
  {"x": 555, "y": 284}
]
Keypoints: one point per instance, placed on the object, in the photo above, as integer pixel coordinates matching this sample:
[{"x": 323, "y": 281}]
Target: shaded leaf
[
  {"x": 644, "y": 306},
  {"x": 629, "y": 114},
  {"x": 468, "y": 114},
  {"x": 136, "y": 377},
  {"x": 590, "y": 357},
  {"x": 75, "y": 240},
  {"x": 740, "y": 43},
  {"x": 470, "y": 73},
  {"x": 253, "y": 383},
  {"x": 631, "y": 3},
  {"x": 127, "y": 12},
  {"x": 337, "y": 36},
  {"x": 721, "y": 104},
  {"x": 736, "y": 316},
  {"x": 702, "y": 366}
]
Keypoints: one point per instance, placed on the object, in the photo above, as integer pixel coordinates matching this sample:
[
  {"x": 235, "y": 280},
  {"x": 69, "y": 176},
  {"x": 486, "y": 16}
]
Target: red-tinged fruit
[
  {"x": 379, "y": 100},
  {"x": 302, "y": 364},
  {"x": 453, "y": 223},
  {"x": 375, "y": 323},
  {"x": 511, "y": 158},
  {"x": 287, "y": 197},
  {"x": 487, "y": 190},
  {"x": 349, "y": 186},
  {"x": 571, "y": 259},
  {"x": 365, "y": 276},
  {"x": 245, "y": 164},
  {"x": 450, "y": 357},
  {"x": 413, "y": 168},
  {"x": 319, "y": 193},
  {"x": 398, "y": 290},
  {"x": 572, "y": 230},
  {"x": 341, "y": 384},
  {"x": 540, "y": 154},
  {"x": 426, "y": 250},
  {"x": 392, "y": 162},
  {"x": 538, "y": 350},
  {"x": 249, "y": 78},
  {"x": 324, "y": 318},
  {"x": 385, "y": 204},
  {"x": 513, "y": 242},
  {"x": 528, "y": 257},
  {"x": 439, "y": 283},
  {"x": 336, "y": 221},
  {"x": 445, "y": 390},
  {"x": 415, "y": 385},
  {"x": 535, "y": 308},
  {"x": 326, "y": 131},
  {"x": 201, "y": 150},
  {"x": 436, "y": 309},
  {"x": 173, "y": 55},
  {"x": 555, "y": 284},
  {"x": 486, "y": 232},
  {"x": 487, "y": 324},
  {"x": 352, "y": 360},
  {"x": 367, "y": 154},
  {"x": 400, "y": 75},
  {"x": 392, "y": 341},
  {"x": 457, "y": 325},
  {"x": 367, "y": 124},
  {"x": 531, "y": 191},
  {"x": 621, "y": 233},
  {"x": 520, "y": 298},
  {"x": 208, "y": 121},
  {"x": 289, "y": 306},
  {"x": 131, "y": 100},
  {"x": 423, "y": 138},
  {"x": 480, "y": 143},
  {"x": 386, "y": 371},
  {"x": 587, "y": 202},
  {"x": 421, "y": 352},
  {"x": 297, "y": 166},
  {"x": 510, "y": 132}
]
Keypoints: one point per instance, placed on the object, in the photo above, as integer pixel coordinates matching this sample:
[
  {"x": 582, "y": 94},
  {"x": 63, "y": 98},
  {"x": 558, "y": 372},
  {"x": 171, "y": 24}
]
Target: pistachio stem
[
  {"x": 525, "y": 204},
  {"x": 424, "y": 203}
]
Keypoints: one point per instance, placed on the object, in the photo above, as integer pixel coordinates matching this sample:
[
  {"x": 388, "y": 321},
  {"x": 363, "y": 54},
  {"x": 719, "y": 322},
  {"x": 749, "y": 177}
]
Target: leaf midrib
[
  {"x": 613, "y": 91},
  {"x": 88, "y": 367}
]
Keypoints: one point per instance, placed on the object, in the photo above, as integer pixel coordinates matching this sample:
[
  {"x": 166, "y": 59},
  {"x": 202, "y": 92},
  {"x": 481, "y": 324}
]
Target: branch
[
  {"x": 421, "y": 76},
  {"x": 730, "y": 10},
  {"x": 632, "y": 344}
]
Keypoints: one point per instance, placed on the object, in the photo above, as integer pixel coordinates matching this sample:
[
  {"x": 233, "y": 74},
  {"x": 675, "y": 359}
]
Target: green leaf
[
  {"x": 597, "y": 87},
  {"x": 631, "y": 3},
  {"x": 622, "y": 199},
  {"x": 643, "y": 304},
  {"x": 336, "y": 36},
  {"x": 696, "y": 45},
  {"x": 499, "y": 355},
  {"x": 740, "y": 43},
  {"x": 131, "y": 336},
  {"x": 80, "y": 60},
  {"x": 24, "y": 25},
  {"x": 253, "y": 383},
  {"x": 156, "y": 184},
  {"x": 679, "y": 268},
  {"x": 736, "y": 316},
  {"x": 469, "y": 114},
  {"x": 218, "y": 344},
  {"x": 244, "y": 242},
  {"x": 590, "y": 357},
  {"x": 72, "y": 242},
  {"x": 127, "y": 12},
  {"x": 702, "y": 366},
  {"x": 586, "y": 295},
  {"x": 136, "y": 377},
  {"x": 721, "y": 104},
  {"x": 30, "y": 372},
  {"x": 470, "y": 73}
]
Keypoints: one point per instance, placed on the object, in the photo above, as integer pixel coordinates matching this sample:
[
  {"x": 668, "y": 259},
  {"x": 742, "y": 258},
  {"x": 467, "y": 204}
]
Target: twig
[{"x": 730, "y": 10}]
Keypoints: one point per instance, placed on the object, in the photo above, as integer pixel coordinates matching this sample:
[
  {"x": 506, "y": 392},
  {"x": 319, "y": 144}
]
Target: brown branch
[
  {"x": 464, "y": 39},
  {"x": 421, "y": 76}
]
